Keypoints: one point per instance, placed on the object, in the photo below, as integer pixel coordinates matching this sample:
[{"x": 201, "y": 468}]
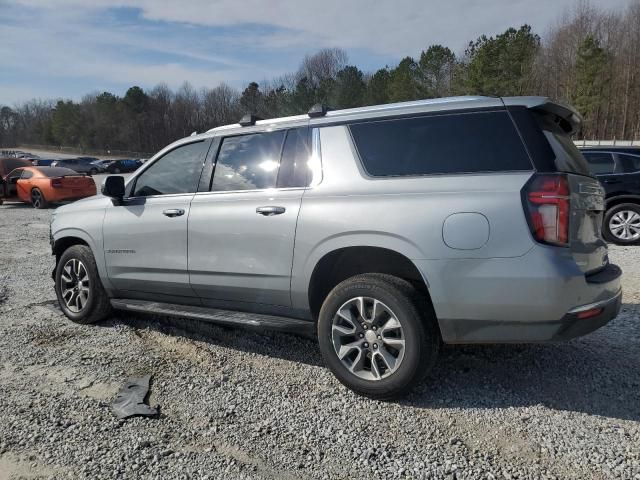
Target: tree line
[{"x": 590, "y": 59}]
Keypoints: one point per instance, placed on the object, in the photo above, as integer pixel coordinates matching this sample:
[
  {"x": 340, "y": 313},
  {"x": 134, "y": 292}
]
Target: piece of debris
[{"x": 130, "y": 400}]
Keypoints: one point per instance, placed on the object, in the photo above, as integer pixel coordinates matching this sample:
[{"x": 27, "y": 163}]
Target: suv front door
[
  {"x": 242, "y": 231},
  {"x": 145, "y": 238}
]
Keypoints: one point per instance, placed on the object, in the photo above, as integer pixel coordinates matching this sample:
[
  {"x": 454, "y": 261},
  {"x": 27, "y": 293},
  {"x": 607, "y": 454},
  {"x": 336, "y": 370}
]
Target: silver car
[{"x": 386, "y": 230}]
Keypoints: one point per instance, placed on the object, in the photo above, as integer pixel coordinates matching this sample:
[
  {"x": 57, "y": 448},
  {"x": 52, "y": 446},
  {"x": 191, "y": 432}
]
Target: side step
[{"x": 227, "y": 317}]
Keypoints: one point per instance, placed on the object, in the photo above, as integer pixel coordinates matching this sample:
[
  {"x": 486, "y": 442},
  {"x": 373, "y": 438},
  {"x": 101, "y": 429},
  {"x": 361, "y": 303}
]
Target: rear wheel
[
  {"x": 37, "y": 199},
  {"x": 378, "y": 335},
  {"x": 93, "y": 172},
  {"x": 78, "y": 287},
  {"x": 622, "y": 224},
  {"x": 116, "y": 170}
]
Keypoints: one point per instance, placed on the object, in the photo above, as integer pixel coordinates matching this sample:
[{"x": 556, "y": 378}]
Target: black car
[{"x": 618, "y": 169}]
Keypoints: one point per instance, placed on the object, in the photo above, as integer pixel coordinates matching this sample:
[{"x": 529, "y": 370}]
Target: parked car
[
  {"x": 618, "y": 169},
  {"x": 43, "y": 162},
  {"x": 385, "y": 229},
  {"x": 80, "y": 164},
  {"x": 8, "y": 164},
  {"x": 42, "y": 186},
  {"x": 98, "y": 166},
  {"x": 123, "y": 166}
]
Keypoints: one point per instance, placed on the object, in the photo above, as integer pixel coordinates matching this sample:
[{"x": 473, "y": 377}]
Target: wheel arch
[
  {"x": 341, "y": 263},
  {"x": 72, "y": 236},
  {"x": 620, "y": 199}
]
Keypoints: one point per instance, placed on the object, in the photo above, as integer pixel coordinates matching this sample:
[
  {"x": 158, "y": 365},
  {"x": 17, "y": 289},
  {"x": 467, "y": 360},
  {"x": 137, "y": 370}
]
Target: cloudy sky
[{"x": 67, "y": 48}]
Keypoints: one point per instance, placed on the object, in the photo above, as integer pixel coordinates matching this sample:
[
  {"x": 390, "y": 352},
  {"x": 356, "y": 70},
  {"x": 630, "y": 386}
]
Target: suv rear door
[
  {"x": 145, "y": 238},
  {"x": 242, "y": 228}
]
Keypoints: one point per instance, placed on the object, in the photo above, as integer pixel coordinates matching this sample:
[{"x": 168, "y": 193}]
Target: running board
[{"x": 226, "y": 317}]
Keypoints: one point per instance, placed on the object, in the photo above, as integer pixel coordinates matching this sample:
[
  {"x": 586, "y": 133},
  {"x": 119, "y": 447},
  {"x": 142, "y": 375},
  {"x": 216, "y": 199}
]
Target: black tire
[
  {"x": 419, "y": 326},
  {"x": 97, "y": 306},
  {"x": 116, "y": 170},
  {"x": 93, "y": 172},
  {"x": 38, "y": 199},
  {"x": 609, "y": 236}
]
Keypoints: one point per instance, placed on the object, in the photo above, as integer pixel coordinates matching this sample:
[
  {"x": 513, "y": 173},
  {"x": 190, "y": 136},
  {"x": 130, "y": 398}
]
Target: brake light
[
  {"x": 546, "y": 199},
  {"x": 56, "y": 183}
]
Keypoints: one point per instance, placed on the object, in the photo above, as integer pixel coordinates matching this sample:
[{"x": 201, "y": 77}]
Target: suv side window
[
  {"x": 600, "y": 163},
  {"x": 630, "y": 163},
  {"x": 441, "y": 144},
  {"x": 294, "y": 166},
  {"x": 248, "y": 162},
  {"x": 176, "y": 172}
]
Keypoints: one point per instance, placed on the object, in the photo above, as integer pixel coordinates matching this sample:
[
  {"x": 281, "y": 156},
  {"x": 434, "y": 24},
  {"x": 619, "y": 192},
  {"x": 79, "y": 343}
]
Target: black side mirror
[{"x": 113, "y": 187}]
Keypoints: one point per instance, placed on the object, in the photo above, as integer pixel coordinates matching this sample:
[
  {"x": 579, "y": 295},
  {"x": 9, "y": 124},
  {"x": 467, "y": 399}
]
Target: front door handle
[
  {"x": 270, "y": 211},
  {"x": 173, "y": 212}
]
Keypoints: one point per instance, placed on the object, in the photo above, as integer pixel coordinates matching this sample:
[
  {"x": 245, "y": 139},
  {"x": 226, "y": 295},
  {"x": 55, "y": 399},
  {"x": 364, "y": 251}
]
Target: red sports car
[{"x": 41, "y": 186}]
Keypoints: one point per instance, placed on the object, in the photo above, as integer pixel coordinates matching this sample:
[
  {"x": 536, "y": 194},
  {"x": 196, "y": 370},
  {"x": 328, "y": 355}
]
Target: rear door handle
[
  {"x": 173, "y": 212},
  {"x": 270, "y": 211}
]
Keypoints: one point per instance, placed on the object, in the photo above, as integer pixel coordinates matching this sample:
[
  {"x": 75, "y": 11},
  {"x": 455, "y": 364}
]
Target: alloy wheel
[
  {"x": 74, "y": 285},
  {"x": 368, "y": 338},
  {"x": 36, "y": 198},
  {"x": 625, "y": 225}
]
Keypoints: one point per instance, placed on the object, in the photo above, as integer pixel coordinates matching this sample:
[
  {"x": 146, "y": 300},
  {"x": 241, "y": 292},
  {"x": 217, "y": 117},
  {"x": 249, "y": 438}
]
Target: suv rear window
[
  {"x": 440, "y": 144},
  {"x": 564, "y": 155}
]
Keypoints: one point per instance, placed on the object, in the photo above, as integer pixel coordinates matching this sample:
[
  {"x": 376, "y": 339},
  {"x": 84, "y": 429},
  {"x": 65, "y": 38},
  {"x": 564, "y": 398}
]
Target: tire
[
  {"x": 116, "y": 170},
  {"x": 418, "y": 329},
  {"x": 627, "y": 216},
  {"x": 38, "y": 200},
  {"x": 93, "y": 172},
  {"x": 96, "y": 306}
]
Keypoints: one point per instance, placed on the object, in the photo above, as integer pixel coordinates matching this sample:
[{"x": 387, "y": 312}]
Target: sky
[{"x": 68, "y": 48}]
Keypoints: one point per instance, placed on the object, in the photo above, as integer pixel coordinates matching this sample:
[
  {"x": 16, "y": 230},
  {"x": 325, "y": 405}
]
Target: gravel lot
[{"x": 239, "y": 404}]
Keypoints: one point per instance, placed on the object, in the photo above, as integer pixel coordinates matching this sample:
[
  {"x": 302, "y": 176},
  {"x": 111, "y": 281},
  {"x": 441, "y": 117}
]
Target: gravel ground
[{"x": 239, "y": 404}]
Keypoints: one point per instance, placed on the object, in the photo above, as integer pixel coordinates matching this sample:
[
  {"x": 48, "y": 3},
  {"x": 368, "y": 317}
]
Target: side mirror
[{"x": 113, "y": 187}]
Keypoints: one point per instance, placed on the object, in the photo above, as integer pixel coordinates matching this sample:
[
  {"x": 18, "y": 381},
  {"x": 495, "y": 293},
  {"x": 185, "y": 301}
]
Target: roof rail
[
  {"x": 318, "y": 110},
  {"x": 249, "y": 119}
]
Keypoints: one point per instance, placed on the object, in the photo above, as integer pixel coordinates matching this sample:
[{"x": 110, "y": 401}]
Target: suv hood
[{"x": 97, "y": 201}]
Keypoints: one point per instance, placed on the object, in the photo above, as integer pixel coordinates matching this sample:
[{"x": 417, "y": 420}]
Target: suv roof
[{"x": 571, "y": 116}]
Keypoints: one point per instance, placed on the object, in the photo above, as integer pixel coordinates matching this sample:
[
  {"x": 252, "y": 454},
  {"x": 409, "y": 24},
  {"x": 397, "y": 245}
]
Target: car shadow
[
  {"x": 598, "y": 374},
  {"x": 11, "y": 205}
]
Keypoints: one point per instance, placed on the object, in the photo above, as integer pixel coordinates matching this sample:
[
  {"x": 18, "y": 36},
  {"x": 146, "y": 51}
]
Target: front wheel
[
  {"x": 78, "y": 287},
  {"x": 378, "y": 335},
  {"x": 622, "y": 224},
  {"x": 37, "y": 199},
  {"x": 93, "y": 172}
]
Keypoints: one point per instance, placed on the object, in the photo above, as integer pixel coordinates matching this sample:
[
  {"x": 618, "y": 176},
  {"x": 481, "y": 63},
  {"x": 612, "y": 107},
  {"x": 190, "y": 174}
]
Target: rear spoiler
[{"x": 568, "y": 117}]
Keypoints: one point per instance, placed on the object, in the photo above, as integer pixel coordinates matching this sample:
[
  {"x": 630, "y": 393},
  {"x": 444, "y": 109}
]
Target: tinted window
[
  {"x": 176, "y": 172},
  {"x": 630, "y": 163},
  {"x": 15, "y": 173},
  {"x": 471, "y": 142},
  {"x": 294, "y": 166},
  {"x": 567, "y": 156},
  {"x": 600, "y": 163},
  {"x": 248, "y": 162},
  {"x": 26, "y": 174}
]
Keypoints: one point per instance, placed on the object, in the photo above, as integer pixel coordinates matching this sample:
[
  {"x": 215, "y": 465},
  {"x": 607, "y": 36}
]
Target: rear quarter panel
[{"x": 406, "y": 214}]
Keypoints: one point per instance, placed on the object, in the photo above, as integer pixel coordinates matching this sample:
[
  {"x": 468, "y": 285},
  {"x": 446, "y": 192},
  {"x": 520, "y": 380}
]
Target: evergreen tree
[{"x": 502, "y": 65}]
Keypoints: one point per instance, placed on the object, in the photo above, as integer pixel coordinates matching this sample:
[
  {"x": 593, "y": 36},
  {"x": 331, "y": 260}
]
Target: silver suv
[{"x": 387, "y": 230}]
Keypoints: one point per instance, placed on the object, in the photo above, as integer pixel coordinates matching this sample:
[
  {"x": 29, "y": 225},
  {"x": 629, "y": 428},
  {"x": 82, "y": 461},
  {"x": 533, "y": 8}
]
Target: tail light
[
  {"x": 56, "y": 183},
  {"x": 546, "y": 199}
]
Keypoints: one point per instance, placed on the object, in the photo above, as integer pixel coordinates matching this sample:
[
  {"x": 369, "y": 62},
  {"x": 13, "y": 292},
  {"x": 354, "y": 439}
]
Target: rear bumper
[
  {"x": 568, "y": 327},
  {"x": 532, "y": 298}
]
